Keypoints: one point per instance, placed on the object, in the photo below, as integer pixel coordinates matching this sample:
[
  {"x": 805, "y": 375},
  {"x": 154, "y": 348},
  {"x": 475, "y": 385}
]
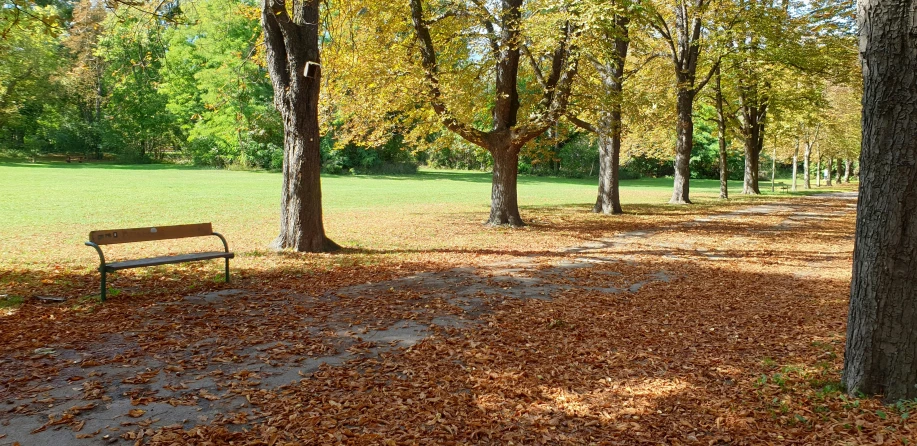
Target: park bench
[
  {"x": 117, "y": 236},
  {"x": 784, "y": 188},
  {"x": 78, "y": 159}
]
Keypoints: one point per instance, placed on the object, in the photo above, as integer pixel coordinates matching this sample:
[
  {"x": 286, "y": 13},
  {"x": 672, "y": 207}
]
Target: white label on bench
[{"x": 153, "y": 230}]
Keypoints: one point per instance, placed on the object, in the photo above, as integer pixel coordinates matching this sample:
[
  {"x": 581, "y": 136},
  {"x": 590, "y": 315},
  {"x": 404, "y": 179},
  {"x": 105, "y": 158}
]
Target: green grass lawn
[{"x": 48, "y": 209}]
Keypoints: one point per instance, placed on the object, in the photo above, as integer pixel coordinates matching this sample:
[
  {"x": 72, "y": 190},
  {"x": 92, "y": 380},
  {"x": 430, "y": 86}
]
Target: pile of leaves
[{"x": 725, "y": 331}]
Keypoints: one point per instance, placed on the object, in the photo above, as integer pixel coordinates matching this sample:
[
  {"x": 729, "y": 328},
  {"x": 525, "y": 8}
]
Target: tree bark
[
  {"x": 683, "y": 145},
  {"x": 881, "y": 353},
  {"x": 754, "y": 112},
  {"x": 609, "y": 197},
  {"x": 504, "y": 204},
  {"x": 291, "y": 42},
  {"x": 847, "y": 165},
  {"x": 752, "y": 164},
  {"x": 609, "y": 127}
]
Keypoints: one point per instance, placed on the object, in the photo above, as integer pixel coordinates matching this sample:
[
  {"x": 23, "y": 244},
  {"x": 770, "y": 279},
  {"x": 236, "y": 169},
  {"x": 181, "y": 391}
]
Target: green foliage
[
  {"x": 456, "y": 153},
  {"x": 565, "y": 153},
  {"x": 136, "y": 122},
  {"x": 648, "y": 166},
  {"x": 350, "y": 158},
  {"x": 155, "y": 82},
  {"x": 220, "y": 97},
  {"x": 28, "y": 61}
]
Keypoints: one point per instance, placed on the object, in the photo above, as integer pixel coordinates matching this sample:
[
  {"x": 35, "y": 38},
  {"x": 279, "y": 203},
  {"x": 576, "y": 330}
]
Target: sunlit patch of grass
[
  {"x": 9, "y": 304},
  {"x": 46, "y": 222}
]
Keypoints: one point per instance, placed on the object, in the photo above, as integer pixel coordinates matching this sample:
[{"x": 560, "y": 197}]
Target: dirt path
[{"x": 174, "y": 373}]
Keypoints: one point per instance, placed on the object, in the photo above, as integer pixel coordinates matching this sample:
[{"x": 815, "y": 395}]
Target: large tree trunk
[
  {"x": 881, "y": 354},
  {"x": 504, "y": 203},
  {"x": 754, "y": 111},
  {"x": 752, "y": 161},
  {"x": 721, "y": 129},
  {"x": 301, "y": 227},
  {"x": 291, "y": 42},
  {"x": 609, "y": 199},
  {"x": 847, "y": 164},
  {"x": 683, "y": 145},
  {"x": 610, "y": 126}
]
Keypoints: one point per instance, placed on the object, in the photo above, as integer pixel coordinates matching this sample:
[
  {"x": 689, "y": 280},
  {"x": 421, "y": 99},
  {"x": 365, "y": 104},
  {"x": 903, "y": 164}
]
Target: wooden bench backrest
[{"x": 113, "y": 236}]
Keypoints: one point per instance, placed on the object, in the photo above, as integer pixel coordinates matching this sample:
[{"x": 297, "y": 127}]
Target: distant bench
[
  {"x": 71, "y": 159},
  {"x": 116, "y": 236}
]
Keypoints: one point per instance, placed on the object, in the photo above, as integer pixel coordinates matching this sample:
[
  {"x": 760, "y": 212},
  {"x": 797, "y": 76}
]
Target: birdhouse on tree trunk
[{"x": 311, "y": 70}]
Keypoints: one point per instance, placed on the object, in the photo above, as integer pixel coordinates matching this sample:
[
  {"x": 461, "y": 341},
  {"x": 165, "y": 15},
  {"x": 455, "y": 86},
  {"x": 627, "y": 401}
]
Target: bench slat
[
  {"x": 165, "y": 260},
  {"x": 130, "y": 235}
]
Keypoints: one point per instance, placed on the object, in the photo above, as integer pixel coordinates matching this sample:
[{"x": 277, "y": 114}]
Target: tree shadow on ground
[{"x": 701, "y": 351}]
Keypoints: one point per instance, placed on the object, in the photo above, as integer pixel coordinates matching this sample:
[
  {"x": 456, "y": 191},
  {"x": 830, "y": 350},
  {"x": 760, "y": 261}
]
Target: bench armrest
[
  {"x": 223, "y": 239},
  {"x": 101, "y": 256}
]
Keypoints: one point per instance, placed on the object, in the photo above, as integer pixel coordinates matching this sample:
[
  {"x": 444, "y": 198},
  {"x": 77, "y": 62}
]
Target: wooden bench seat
[
  {"x": 133, "y": 235},
  {"x": 155, "y": 261}
]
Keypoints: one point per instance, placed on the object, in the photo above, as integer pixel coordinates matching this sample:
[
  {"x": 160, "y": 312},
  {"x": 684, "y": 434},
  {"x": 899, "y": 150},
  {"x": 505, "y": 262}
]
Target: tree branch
[
  {"x": 700, "y": 86},
  {"x": 557, "y": 93},
  {"x": 428, "y": 61},
  {"x": 535, "y": 67},
  {"x": 589, "y": 127}
]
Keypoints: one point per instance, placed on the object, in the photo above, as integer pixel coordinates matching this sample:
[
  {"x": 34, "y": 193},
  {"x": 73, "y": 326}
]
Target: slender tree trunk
[
  {"x": 847, "y": 164},
  {"x": 795, "y": 163},
  {"x": 818, "y": 170},
  {"x": 504, "y": 203},
  {"x": 290, "y": 43},
  {"x": 881, "y": 353},
  {"x": 830, "y": 170},
  {"x": 721, "y": 128},
  {"x": 774, "y": 166},
  {"x": 807, "y": 168},
  {"x": 810, "y": 144},
  {"x": 685, "y": 135},
  {"x": 840, "y": 172}
]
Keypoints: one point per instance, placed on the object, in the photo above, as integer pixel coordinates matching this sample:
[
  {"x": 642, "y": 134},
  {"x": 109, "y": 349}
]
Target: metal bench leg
[
  {"x": 227, "y": 270},
  {"x": 103, "y": 285}
]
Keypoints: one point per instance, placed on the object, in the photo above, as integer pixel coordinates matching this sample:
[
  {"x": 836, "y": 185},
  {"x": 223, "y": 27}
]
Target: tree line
[{"x": 188, "y": 83}]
